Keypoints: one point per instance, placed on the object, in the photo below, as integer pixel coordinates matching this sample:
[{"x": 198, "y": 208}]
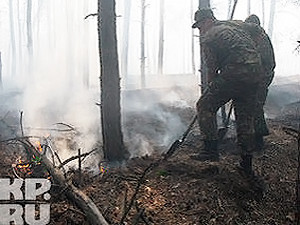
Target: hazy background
[{"x": 49, "y": 85}]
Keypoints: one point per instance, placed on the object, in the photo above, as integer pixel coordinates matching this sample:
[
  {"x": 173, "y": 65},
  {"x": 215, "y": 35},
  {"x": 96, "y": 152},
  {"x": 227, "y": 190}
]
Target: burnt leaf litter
[{"x": 184, "y": 191}]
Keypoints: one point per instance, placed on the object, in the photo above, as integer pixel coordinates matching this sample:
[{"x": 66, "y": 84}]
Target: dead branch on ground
[
  {"x": 18, "y": 139},
  {"x": 137, "y": 188},
  {"x": 138, "y": 216},
  {"x": 164, "y": 157},
  {"x": 93, "y": 215},
  {"x": 67, "y": 125},
  {"x": 84, "y": 155},
  {"x": 143, "y": 217}
]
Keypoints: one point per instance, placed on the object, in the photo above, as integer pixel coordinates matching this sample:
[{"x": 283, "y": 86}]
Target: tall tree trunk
[
  {"x": 143, "y": 78},
  {"x": 229, "y": 8},
  {"x": 113, "y": 145},
  {"x": 125, "y": 41},
  {"x": 20, "y": 47},
  {"x": 263, "y": 12},
  {"x": 271, "y": 20},
  {"x": 12, "y": 39},
  {"x": 193, "y": 43},
  {"x": 1, "y": 83},
  {"x": 249, "y": 8},
  {"x": 29, "y": 37},
  {"x": 71, "y": 47},
  {"x": 233, "y": 9},
  {"x": 86, "y": 37},
  {"x": 161, "y": 37},
  {"x": 203, "y": 4}
]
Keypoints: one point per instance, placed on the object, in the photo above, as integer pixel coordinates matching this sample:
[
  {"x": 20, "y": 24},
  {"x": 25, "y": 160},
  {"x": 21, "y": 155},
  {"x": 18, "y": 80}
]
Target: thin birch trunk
[
  {"x": 12, "y": 39},
  {"x": 249, "y": 7},
  {"x": 29, "y": 37},
  {"x": 193, "y": 43},
  {"x": 229, "y": 8},
  {"x": 143, "y": 78},
  {"x": 203, "y": 4},
  {"x": 161, "y": 38},
  {"x": 271, "y": 20},
  {"x": 263, "y": 12},
  {"x": 125, "y": 41}
]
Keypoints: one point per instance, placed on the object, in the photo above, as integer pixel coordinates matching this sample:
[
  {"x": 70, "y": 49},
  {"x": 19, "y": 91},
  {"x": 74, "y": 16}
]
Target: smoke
[
  {"x": 68, "y": 116},
  {"x": 53, "y": 91},
  {"x": 154, "y": 118},
  {"x": 65, "y": 51}
]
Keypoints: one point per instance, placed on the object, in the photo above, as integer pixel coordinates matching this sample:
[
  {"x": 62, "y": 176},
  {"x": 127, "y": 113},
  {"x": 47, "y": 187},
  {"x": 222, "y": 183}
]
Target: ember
[
  {"x": 39, "y": 146},
  {"x": 24, "y": 169},
  {"x": 103, "y": 169}
]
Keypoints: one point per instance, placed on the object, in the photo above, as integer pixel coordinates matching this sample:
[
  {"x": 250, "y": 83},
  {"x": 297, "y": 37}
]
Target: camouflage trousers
[
  {"x": 241, "y": 88},
  {"x": 261, "y": 128}
]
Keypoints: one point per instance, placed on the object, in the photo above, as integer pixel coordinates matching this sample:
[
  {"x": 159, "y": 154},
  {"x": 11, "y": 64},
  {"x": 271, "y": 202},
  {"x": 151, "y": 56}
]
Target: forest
[{"x": 98, "y": 116}]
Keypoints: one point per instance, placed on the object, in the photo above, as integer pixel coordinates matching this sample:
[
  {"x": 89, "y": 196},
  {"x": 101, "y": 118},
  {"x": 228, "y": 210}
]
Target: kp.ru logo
[{"x": 10, "y": 212}]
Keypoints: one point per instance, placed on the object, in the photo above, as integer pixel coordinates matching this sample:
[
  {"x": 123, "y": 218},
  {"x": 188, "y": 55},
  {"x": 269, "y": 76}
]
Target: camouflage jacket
[
  {"x": 261, "y": 39},
  {"x": 227, "y": 46}
]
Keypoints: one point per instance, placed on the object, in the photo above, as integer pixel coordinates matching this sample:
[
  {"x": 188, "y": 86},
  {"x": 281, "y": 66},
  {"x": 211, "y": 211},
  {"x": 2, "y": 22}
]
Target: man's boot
[
  {"x": 210, "y": 152},
  {"x": 246, "y": 164}
]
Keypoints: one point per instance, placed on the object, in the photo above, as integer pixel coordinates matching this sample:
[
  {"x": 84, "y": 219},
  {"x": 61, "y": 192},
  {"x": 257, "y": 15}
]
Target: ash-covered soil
[
  {"x": 183, "y": 191},
  {"x": 179, "y": 191}
]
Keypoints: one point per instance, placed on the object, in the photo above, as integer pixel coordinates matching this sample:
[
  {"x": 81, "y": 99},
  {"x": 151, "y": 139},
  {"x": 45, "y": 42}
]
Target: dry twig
[
  {"x": 79, "y": 167},
  {"x": 138, "y": 216},
  {"x": 137, "y": 188},
  {"x": 144, "y": 218},
  {"x": 21, "y": 123},
  {"x": 18, "y": 139},
  {"x": 92, "y": 14},
  {"x": 93, "y": 215},
  {"x": 84, "y": 155}
]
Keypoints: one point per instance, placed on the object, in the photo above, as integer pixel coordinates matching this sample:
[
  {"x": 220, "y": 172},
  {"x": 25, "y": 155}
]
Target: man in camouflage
[
  {"x": 234, "y": 73},
  {"x": 266, "y": 51}
]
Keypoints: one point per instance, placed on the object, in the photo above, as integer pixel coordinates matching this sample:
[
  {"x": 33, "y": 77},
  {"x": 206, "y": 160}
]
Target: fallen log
[{"x": 87, "y": 206}]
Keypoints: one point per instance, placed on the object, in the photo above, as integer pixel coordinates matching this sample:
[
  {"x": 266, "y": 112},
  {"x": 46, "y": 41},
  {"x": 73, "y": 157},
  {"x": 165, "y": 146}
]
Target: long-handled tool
[
  {"x": 221, "y": 133},
  {"x": 179, "y": 141}
]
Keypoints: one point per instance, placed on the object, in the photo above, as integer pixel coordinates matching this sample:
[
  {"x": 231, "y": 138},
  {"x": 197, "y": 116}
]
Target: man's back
[
  {"x": 261, "y": 39},
  {"x": 231, "y": 47}
]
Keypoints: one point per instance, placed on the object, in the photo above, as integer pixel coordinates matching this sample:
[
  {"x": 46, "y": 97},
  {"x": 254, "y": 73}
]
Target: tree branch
[
  {"x": 93, "y": 215},
  {"x": 92, "y": 14},
  {"x": 76, "y": 157}
]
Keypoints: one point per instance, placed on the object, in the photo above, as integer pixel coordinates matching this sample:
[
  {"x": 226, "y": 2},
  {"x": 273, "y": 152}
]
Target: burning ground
[
  {"x": 179, "y": 190},
  {"x": 183, "y": 191}
]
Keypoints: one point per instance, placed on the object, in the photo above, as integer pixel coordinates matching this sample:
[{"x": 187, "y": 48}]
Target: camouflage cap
[
  {"x": 201, "y": 15},
  {"x": 253, "y": 19}
]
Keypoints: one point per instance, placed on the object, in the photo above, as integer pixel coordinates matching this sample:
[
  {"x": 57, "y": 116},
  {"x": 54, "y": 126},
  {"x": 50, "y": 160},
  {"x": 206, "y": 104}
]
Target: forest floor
[{"x": 182, "y": 191}]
